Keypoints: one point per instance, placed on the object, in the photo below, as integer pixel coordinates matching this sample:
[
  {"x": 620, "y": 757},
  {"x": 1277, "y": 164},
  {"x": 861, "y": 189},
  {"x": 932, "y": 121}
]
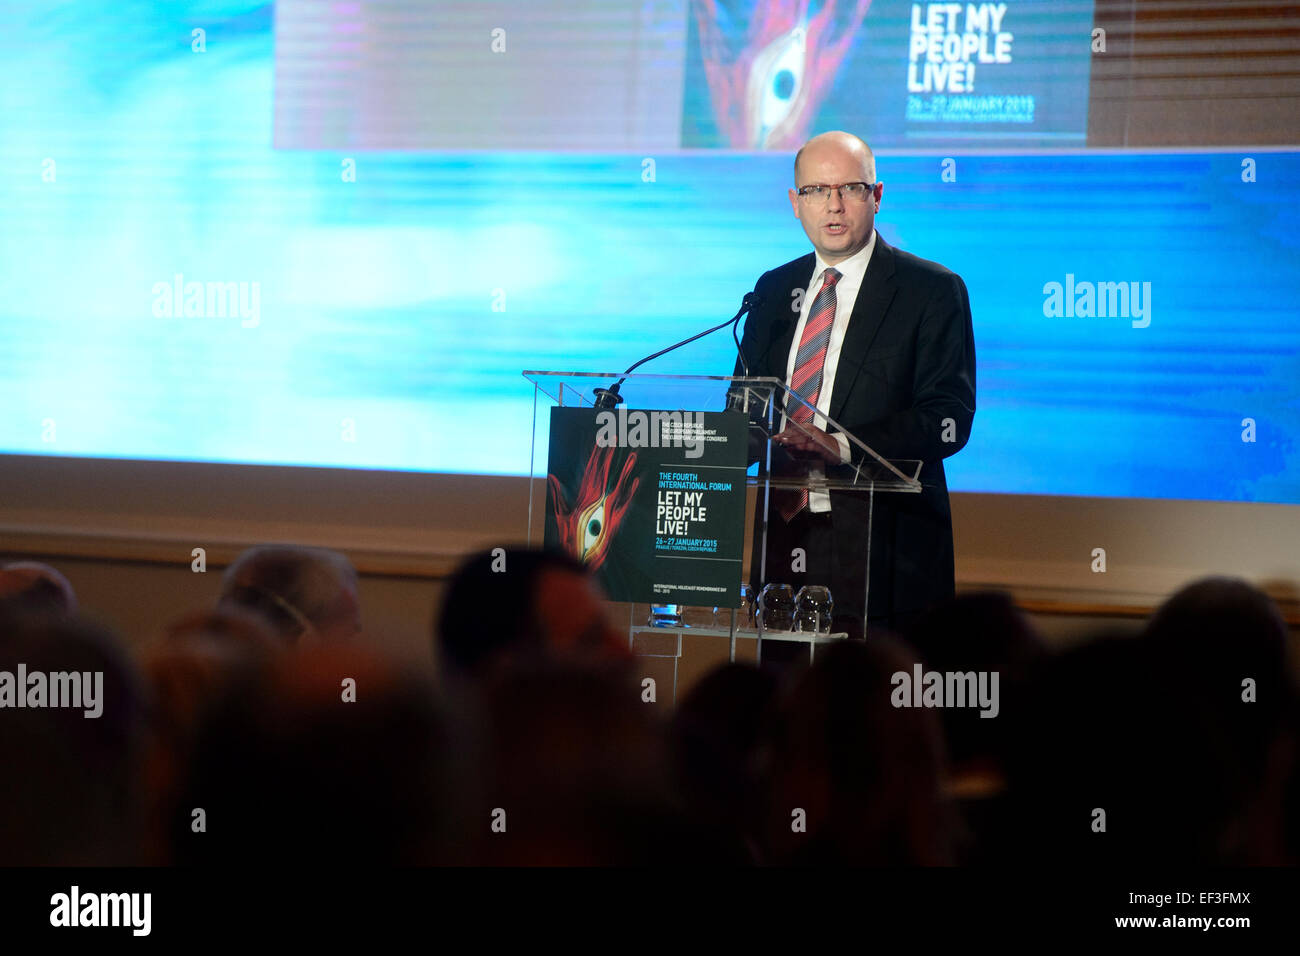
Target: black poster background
[{"x": 639, "y": 564}]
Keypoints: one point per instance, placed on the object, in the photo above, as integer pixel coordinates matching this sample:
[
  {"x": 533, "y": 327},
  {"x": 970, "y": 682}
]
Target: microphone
[{"x": 610, "y": 398}]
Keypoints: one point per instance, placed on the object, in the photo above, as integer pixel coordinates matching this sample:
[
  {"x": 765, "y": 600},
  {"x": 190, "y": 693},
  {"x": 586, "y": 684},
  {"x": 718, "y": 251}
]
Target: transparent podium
[{"x": 752, "y": 411}]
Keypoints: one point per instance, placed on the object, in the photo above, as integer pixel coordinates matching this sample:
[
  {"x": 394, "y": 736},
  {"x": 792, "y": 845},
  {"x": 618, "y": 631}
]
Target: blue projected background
[{"x": 371, "y": 303}]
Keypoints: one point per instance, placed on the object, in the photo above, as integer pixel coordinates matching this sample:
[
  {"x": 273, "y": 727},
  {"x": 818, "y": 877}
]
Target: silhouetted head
[
  {"x": 576, "y": 763},
  {"x": 1222, "y": 631},
  {"x": 522, "y": 602},
  {"x": 191, "y": 667},
  {"x": 70, "y": 775},
  {"x": 715, "y": 735},
  {"x": 866, "y": 775},
  {"x": 189, "y": 671},
  {"x": 1078, "y": 765},
  {"x": 35, "y": 587},
  {"x": 1131, "y": 755},
  {"x": 1221, "y": 661},
  {"x": 308, "y": 595},
  {"x": 1221, "y": 645},
  {"x": 326, "y": 757},
  {"x": 981, "y": 633}
]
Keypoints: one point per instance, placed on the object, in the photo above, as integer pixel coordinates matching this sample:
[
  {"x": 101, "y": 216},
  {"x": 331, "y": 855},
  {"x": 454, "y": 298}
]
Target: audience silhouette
[{"x": 268, "y": 728}]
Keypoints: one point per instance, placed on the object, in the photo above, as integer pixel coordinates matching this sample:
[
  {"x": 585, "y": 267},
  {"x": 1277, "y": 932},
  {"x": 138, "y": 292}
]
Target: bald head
[
  {"x": 839, "y": 220},
  {"x": 838, "y": 143},
  {"x": 300, "y": 591},
  {"x": 32, "y": 586}
]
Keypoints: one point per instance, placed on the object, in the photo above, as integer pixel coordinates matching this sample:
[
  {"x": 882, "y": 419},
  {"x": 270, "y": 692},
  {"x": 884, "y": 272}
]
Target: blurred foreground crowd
[{"x": 267, "y": 729}]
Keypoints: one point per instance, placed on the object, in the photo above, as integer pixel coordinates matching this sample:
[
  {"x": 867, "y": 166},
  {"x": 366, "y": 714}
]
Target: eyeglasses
[
  {"x": 283, "y": 616},
  {"x": 820, "y": 193}
]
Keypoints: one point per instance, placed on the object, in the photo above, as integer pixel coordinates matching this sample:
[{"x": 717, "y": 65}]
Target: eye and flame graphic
[
  {"x": 587, "y": 527},
  {"x": 767, "y": 93}
]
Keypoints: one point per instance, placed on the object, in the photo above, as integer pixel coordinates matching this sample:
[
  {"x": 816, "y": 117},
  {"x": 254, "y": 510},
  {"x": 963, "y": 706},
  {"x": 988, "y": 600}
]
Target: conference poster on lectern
[{"x": 652, "y": 501}]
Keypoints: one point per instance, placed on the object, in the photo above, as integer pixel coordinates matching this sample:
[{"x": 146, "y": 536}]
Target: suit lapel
[{"x": 874, "y": 297}]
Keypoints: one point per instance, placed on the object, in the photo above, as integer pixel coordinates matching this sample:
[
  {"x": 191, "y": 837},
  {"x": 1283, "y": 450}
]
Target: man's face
[{"x": 840, "y": 226}]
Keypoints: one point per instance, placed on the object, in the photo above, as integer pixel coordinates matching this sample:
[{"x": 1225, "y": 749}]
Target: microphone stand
[{"x": 610, "y": 397}]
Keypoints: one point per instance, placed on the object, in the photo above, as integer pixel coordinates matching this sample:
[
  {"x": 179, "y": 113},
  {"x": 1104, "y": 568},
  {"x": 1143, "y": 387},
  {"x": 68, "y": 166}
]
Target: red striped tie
[{"x": 808, "y": 362}]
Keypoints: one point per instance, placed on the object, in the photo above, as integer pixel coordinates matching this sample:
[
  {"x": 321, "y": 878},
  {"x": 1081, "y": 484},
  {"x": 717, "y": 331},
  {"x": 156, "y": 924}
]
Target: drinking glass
[
  {"x": 776, "y": 607},
  {"x": 812, "y": 609},
  {"x": 744, "y": 613}
]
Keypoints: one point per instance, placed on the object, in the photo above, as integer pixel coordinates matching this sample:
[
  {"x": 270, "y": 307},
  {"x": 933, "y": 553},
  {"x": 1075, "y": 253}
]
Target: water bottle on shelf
[{"x": 665, "y": 615}]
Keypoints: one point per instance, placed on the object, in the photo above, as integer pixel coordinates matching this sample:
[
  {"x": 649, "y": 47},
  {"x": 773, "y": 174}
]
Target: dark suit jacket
[{"x": 907, "y": 364}]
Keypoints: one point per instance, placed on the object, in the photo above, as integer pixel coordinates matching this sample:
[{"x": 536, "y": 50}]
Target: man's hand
[{"x": 810, "y": 441}]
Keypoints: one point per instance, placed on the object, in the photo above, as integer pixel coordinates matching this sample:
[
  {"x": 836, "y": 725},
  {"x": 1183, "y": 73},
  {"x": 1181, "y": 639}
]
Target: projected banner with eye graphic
[
  {"x": 652, "y": 501},
  {"x": 654, "y": 74},
  {"x": 768, "y": 75}
]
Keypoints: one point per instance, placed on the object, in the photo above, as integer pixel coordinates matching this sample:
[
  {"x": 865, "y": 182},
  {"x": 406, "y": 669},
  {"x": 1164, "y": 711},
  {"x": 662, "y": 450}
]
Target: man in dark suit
[{"x": 880, "y": 341}]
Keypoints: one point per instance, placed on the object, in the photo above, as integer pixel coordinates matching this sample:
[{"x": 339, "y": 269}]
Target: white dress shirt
[{"x": 851, "y": 271}]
